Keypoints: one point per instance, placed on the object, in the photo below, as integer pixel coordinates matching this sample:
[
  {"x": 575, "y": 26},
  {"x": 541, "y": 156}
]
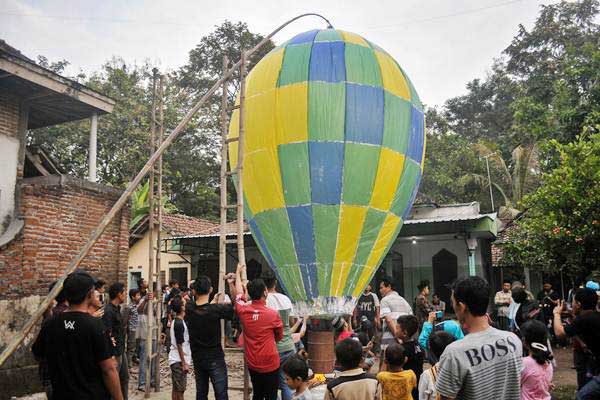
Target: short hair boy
[
  {"x": 296, "y": 377},
  {"x": 438, "y": 341},
  {"x": 406, "y": 328},
  {"x": 396, "y": 383},
  {"x": 352, "y": 382}
]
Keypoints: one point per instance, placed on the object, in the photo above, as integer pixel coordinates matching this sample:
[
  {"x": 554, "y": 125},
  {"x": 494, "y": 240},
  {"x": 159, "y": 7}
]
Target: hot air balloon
[{"x": 333, "y": 157}]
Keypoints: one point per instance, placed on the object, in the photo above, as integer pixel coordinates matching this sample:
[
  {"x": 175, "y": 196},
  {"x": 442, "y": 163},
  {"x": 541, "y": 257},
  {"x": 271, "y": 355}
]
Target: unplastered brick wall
[
  {"x": 60, "y": 214},
  {"x": 9, "y": 114}
]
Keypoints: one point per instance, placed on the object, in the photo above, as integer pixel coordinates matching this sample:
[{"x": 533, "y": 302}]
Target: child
[
  {"x": 437, "y": 343},
  {"x": 296, "y": 377},
  {"x": 131, "y": 313},
  {"x": 396, "y": 383},
  {"x": 406, "y": 328},
  {"x": 343, "y": 329},
  {"x": 351, "y": 382},
  {"x": 180, "y": 356},
  {"x": 368, "y": 356},
  {"x": 536, "y": 375}
]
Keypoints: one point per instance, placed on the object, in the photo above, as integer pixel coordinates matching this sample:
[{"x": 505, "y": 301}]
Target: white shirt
[
  {"x": 174, "y": 353},
  {"x": 393, "y": 305},
  {"x": 426, "y": 386}
]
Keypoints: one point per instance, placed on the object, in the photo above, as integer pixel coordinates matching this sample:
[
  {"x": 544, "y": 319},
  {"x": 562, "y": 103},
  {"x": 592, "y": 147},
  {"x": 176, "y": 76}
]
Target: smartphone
[{"x": 439, "y": 314}]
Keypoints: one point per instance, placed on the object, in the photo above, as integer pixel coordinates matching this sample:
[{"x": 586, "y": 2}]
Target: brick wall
[
  {"x": 9, "y": 114},
  {"x": 59, "y": 217}
]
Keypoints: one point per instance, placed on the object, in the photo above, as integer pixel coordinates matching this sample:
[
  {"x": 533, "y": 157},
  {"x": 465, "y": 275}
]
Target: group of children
[{"x": 401, "y": 375}]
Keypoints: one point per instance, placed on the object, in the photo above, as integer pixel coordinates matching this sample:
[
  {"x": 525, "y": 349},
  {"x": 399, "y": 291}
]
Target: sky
[{"x": 441, "y": 44}]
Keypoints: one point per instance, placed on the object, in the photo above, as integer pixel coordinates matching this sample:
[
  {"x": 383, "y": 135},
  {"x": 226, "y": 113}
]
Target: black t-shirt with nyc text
[{"x": 73, "y": 343}]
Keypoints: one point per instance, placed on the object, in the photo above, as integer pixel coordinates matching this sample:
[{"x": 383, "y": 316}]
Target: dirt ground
[
  {"x": 564, "y": 376},
  {"x": 564, "y": 379}
]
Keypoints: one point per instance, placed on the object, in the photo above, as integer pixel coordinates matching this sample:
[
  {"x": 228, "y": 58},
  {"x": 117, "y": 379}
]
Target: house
[
  {"x": 173, "y": 265},
  {"x": 45, "y": 215},
  {"x": 437, "y": 242}
]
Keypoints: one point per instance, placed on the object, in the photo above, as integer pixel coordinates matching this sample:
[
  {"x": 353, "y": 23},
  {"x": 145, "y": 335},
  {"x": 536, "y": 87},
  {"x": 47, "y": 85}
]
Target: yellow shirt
[{"x": 397, "y": 385}]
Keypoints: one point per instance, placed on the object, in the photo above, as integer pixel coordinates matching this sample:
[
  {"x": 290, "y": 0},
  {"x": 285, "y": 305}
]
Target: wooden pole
[
  {"x": 151, "y": 244},
  {"x": 240, "y": 165},
  {"x": 122, "y": 201},
  {"x": 223, "y": 233},
  {"x": 240, "y": 196},
  {"x": 159, "y": 212}
]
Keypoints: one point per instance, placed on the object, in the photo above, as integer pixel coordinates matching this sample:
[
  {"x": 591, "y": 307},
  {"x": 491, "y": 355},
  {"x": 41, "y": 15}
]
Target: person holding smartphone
[{"x": 434, "y": 323}]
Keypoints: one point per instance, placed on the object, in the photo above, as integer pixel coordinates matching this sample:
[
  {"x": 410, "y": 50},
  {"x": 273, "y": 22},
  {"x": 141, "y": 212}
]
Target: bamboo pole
[
  {"x": 159, "y": 212},
  {"x": 151, "y": 244},
  {"x": 120, "y": 203},
  {"x": 223, "y": 233},
  {"x": 240, "y": 165},
  {"x": 240, "y": 196}
]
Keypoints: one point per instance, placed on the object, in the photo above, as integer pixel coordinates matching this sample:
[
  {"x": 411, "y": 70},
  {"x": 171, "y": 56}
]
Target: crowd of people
[{"x": 470, "y": 348}]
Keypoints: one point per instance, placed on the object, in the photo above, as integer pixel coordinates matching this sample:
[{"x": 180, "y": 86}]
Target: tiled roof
[
  {"x": 183, "y": 225},
  {"x": 230, "y": 229}
]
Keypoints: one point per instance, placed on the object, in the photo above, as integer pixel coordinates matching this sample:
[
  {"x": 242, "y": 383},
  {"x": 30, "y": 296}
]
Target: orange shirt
[{"x": 397, "y": 385}]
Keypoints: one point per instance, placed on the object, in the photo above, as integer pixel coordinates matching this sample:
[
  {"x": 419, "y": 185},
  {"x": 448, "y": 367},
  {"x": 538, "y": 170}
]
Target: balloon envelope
[{"x": 333, "y": 157}]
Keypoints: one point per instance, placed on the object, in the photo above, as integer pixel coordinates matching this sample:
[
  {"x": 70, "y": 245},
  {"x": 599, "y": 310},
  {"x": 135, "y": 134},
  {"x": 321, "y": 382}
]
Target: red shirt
[
  {"x": 344, "y": 335},
  {"x": 262, "y": 328}
]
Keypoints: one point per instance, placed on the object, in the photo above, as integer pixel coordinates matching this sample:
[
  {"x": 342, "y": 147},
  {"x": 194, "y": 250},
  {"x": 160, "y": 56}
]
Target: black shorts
[{"x": 179, "y": 377}]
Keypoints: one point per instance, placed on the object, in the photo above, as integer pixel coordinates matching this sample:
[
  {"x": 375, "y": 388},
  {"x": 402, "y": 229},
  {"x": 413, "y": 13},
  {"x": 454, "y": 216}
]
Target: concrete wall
[
  {"x": 9, "y": 155},
  {"x": 59, "y": 215},
  {"x": 417, "y": 259},
  {"x": 138, "y": 260}
]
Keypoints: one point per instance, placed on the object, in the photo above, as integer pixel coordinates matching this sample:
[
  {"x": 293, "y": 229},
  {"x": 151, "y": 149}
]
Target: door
[
  {"x": 445, "y": 269},
  {"x": 134, "y": 277},
  {"x": 180, "y": 274}
]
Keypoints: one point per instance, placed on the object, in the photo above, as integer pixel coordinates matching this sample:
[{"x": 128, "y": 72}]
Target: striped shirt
[
  {"x": 484, "y": 365},
  {"x": 133, "y": 317}
]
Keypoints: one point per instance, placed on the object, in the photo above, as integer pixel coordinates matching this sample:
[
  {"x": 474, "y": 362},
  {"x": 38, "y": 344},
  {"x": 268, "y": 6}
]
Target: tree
[
  {"x": 545, "y": 85},
  {"x": 448, "y": 156},
  {"x": 511, "y": 179},
  {"x": 191, "y": 164},
  {"x": 560, "y": 225}
]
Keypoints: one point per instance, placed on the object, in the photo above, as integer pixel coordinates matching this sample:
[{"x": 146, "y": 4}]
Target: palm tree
[{"x": 512, "y": 179}]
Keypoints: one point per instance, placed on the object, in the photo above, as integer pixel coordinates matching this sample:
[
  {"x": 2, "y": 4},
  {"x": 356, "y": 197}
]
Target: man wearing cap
[{"x": 77, "y": 348}]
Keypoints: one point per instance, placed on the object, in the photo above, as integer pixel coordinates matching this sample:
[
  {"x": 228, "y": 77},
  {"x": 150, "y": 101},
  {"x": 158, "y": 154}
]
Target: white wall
[
  {"x": 417, "y": 259},
  {"x": 9, "y": 153}
]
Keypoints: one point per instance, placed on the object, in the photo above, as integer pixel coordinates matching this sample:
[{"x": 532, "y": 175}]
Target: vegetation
[
  {"x": 560, "y": 227},
  {"x": 191, "y": 165},
  {"x": 535, "y": 117}
]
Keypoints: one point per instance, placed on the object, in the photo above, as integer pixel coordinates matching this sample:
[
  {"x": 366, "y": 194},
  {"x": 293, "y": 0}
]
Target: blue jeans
[
  {"x": 142, "y": 377},
  {"x": 286, "y": 392},
  {"x": 216, "y": 370},
  {"x": 591, "y": 390}
]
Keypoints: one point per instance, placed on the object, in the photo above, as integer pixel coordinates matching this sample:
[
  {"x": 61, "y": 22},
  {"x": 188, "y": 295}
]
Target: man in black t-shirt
[
  {"x": 116, "y": 327},
  {"x": 585, "y": 328},
  {"x": 367, "y": 306},
  {"x": 77, "y": 348},
  {"x": 203, "y": 320},
  {"x": 548, "y": 299}
]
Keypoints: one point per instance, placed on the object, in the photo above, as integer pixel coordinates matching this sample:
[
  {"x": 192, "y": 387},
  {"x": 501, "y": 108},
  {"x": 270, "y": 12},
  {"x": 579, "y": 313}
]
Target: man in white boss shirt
[
  {"x": 392, "y": 305},
  {"x": 486, "y": 364}
]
